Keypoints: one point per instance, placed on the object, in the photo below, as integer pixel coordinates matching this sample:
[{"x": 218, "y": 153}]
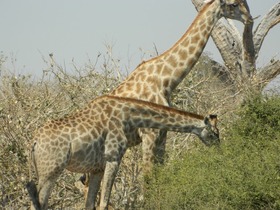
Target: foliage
[{"x": 244, "y": 173}]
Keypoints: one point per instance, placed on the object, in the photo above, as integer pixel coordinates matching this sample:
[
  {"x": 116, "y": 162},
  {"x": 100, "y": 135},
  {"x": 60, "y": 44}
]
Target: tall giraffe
[
  {"x": 155, "y": 79},
  {"x": 94, "y": 140}
]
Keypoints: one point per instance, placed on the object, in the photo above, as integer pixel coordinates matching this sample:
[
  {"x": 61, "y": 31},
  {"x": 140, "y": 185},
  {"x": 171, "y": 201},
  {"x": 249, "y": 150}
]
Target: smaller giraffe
[{"x": 94, "y": 140}]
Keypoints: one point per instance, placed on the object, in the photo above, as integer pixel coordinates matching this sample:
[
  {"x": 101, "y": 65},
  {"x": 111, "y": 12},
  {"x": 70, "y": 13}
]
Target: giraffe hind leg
[
  {"x": 33, "y": 193},
  {"x": 47, "y": 176},
  {"x": 39, "y": 198}
]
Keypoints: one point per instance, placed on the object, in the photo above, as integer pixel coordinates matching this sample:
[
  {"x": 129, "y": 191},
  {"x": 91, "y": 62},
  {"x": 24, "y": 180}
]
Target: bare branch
[
  {"x": 269, "y": 20},
  {"x": 240, "y": 56},
  {"x": 225, "y": 37},
  {"x": 249, "y": 62},
  {"x": 270, "y": 71}
]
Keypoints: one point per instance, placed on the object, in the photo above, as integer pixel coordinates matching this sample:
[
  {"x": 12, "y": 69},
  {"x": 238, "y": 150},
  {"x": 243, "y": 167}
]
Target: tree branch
[
  {"x": 269, "y": 20},
  {"x": 249, "y": 62},
  {"x": 269, "y": 72},
  {"x": 240, "y": 53}
]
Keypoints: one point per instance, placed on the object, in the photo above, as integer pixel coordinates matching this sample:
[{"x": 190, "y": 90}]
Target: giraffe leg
[
  {"x": 148, "y": 147},
  {"x": 94, "y": 185},
  {"x": 111, "y": 170},
  {"x": 153, "y": 148},
  {"x": 44, "y": 190},
  {"x": 48, "y": 170},
  {"x": 160, "y": 143},
  {"x": 33, "y": 193}
]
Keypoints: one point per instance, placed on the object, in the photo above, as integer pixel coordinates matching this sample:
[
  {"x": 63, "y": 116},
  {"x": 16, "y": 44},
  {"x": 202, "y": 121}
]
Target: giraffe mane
[{"x": 156, "y": 106}]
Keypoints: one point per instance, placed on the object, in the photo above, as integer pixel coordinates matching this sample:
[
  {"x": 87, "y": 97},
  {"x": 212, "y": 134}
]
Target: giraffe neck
[
  {"x": 143, "y": 114},
  {"x": 164, "y": 72},
  {"x": 180, "y": 59}
]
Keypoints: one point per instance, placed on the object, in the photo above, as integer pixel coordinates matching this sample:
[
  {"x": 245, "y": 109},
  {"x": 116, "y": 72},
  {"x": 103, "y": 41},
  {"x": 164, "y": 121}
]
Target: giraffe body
[
  {"x": 94, "y": 140},
  {"x": 155, "y": 79}
]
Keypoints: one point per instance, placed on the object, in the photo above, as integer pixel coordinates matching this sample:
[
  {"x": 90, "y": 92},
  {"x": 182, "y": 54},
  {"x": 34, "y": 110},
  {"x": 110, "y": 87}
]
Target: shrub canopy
[{"x": 244, "y": 173}]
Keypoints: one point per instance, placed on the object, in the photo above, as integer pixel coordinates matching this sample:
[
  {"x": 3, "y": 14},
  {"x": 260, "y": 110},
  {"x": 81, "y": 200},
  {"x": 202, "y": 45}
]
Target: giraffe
[
  {"x": 94, "y": 140},
  {"x": 155, "y": 79}
]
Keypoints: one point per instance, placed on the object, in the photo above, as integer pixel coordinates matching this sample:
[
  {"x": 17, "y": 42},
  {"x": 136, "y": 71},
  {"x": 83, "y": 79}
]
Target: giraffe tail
[
  {"x": 31, "y": 186},
  {"x": 33, "y": 193}
]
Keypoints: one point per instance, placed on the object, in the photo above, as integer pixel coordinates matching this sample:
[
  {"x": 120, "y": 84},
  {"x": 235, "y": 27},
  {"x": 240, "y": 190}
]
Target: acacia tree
[{"x": 240, "y": 52}]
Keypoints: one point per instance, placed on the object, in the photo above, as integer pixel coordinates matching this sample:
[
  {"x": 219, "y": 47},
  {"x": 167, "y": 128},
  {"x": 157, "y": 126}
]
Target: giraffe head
[
  {"x": 236, "y": 9},
  {"x": 210, "y": 133}
]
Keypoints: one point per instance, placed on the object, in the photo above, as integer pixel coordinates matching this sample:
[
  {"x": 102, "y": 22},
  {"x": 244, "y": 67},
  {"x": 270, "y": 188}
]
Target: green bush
[{"x": 243, "y": 173}]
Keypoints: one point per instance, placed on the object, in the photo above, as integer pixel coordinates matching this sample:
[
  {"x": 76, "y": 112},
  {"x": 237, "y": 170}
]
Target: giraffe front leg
[
  {"x": 148, "y": 147},
  {"x": 160, "y": 144},
  {"x": 94, "y": 185},
  {"x": 115, "y": 147},
  {"x": 153, "y": 148},
  {"x": 111, "y": 170}
]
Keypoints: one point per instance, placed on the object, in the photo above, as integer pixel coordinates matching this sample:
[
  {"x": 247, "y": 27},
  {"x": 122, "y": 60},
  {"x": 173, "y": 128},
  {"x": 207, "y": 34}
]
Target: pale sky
[{"x": 78, "y": 30}]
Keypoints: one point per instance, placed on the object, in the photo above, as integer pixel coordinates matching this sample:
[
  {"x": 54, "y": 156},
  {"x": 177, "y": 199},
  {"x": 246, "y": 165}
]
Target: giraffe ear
[{"x": 213, "y": 120}]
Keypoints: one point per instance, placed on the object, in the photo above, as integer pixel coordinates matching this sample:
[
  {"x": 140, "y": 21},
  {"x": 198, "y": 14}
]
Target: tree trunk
[{"x": 241, "y": 52}]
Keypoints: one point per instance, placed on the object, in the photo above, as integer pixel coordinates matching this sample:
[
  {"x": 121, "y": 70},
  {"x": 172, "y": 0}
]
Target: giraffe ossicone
[{"x": 94, "y": 141}]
